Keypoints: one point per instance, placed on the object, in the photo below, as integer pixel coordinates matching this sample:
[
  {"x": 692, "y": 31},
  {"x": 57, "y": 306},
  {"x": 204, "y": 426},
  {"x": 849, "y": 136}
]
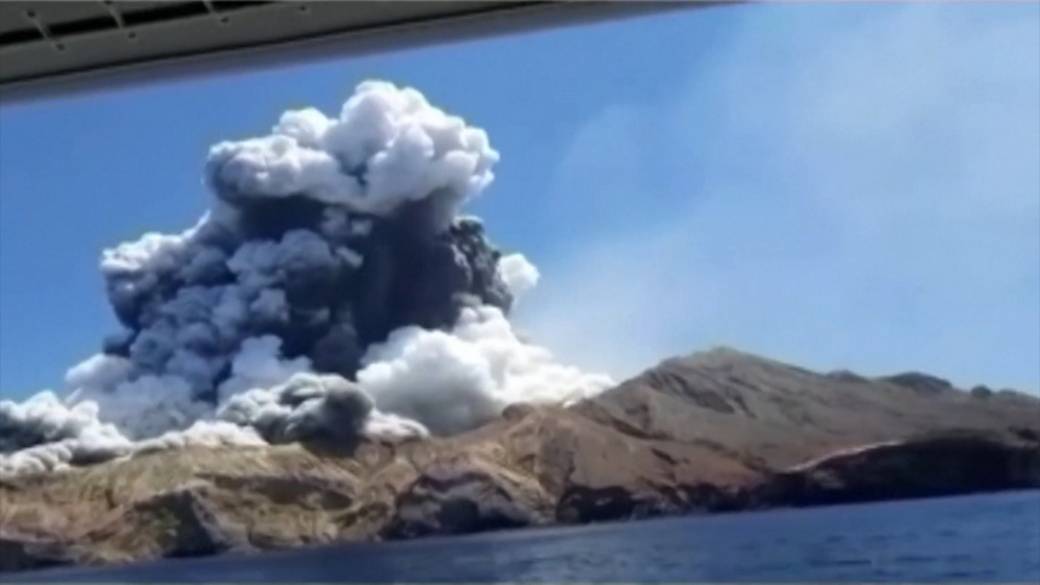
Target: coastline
[{"x": 717, "y": 431}]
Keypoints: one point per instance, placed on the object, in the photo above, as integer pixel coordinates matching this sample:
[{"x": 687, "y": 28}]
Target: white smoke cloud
[
  {"x": 150, "y": 253},
  {"x": 388, "y": 146},
  {"x": 100, "y": 371},
  {"x": 386, "y": 425},
  {"x": 44, "y": 434},
  {"x": 203, "y": 433},
  {"x": 458, "y": 380},
  {"x": 518, "y": 273},
  {"x": 145, "y": 407},
  {"x": 73, "y": 435}
]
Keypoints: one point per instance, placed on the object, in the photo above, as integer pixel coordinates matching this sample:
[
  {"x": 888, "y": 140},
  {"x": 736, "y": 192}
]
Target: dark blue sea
[{"x": 982, "y": 538}]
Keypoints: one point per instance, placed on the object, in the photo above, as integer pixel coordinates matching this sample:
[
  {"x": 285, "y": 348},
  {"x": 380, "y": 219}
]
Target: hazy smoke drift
[{"x": 332, "y": 290}]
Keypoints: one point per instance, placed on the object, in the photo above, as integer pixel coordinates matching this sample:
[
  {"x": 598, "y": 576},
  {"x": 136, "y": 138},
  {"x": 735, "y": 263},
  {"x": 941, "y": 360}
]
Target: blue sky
[{"x": 836, "y": 185}]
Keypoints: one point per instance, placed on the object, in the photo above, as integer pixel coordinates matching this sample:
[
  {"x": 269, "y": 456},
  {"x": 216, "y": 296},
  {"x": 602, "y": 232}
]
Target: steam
[
  {"x": 43, "y": 433},
  {"x": 389, "y": 147},
  {"x": 459, "y": 379},
  {"x": 518, "y": 274},
  {"x": 332, "y": 292}
]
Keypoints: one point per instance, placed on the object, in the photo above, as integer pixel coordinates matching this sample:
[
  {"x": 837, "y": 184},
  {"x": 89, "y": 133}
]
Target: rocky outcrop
[
  {"x": 715, "y": 431},
  {"x": 939, "y": 465},
  {"x": 456, "y": 498}
]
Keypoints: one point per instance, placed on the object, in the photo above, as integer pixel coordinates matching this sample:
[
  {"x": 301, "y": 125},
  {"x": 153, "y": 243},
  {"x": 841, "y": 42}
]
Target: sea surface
[{"x": 982, "y": 538}]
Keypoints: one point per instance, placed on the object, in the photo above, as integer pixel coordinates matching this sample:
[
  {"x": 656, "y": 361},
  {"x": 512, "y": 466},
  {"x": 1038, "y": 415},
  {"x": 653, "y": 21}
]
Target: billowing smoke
[
  {"x": 333, "y": 291},
  {"x": 457, "y": 379}
]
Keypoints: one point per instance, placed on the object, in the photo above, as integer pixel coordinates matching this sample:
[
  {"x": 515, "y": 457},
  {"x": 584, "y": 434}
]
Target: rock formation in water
[{"x": 715, "y": 431}]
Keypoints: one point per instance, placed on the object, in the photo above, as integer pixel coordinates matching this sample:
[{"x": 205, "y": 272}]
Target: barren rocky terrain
[{"x": 715, "y": 431}]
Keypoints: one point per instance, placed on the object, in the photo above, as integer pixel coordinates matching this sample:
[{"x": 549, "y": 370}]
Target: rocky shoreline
[{"x": 716, "y": 431}]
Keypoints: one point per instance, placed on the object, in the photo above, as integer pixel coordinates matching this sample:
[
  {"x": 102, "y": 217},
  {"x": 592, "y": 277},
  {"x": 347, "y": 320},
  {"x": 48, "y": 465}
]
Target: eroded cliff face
[{"x": 715, "y": 431}]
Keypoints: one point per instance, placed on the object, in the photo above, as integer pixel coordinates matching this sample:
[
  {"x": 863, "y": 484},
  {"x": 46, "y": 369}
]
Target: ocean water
[{"x": 981, "y": 538}]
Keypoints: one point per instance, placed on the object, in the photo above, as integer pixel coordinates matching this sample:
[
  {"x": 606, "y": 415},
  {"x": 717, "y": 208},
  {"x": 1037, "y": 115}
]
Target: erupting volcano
[{"x": 332, "y": 290}]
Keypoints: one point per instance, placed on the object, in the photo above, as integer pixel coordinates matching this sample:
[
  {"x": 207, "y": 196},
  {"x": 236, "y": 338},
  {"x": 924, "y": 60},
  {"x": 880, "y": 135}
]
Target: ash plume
[{"x": 332, "y": 291}]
